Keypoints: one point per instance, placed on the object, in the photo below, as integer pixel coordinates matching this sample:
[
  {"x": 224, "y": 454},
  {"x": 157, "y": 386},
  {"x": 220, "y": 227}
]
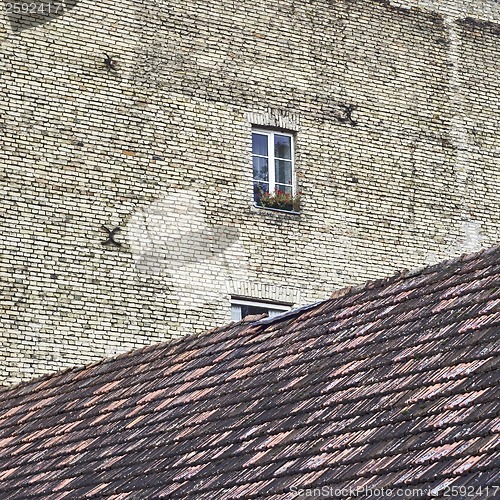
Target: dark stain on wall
[{"x": 475, "y": 26}]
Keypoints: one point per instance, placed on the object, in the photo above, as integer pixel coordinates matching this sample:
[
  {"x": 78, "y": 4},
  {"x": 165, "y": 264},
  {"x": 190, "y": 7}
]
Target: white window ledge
[{"x": 292, "y": 212}]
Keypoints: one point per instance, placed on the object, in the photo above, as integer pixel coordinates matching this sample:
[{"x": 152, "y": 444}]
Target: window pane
[
  {"x": 284, "y": 188},
  {"x": 260, "y": 168},
  {"x": 235, "y": 312},
  {"x": 259, "y": 144},
  {"x": 240, "y": 310},
  {"x": 283, "y": 146},
  {"x": 274, "y": 312},
  {"x": 258, "y": 189},
  {"x": 247, "y": 310},
  {"x": 283, "y": 171}
]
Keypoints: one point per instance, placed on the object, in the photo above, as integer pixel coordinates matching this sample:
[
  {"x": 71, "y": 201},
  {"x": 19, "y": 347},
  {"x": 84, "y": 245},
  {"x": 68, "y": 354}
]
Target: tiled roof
[{"x": 390, "y": 385}]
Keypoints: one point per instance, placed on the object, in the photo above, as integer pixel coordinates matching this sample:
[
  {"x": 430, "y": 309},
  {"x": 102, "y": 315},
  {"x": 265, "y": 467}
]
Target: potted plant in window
[{"x": 280, "y": 200}]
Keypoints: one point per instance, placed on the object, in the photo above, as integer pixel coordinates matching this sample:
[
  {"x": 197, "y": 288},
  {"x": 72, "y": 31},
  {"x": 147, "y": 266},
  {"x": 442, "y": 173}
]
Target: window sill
[{"x": 291, "y": 212}]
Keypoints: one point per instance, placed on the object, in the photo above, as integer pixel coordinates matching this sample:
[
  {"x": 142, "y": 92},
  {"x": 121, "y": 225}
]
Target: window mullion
[{"x": 272, "y": 178}]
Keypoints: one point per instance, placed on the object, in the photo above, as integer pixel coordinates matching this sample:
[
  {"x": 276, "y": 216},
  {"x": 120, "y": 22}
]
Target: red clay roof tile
[{"x": 393, "y": 384}]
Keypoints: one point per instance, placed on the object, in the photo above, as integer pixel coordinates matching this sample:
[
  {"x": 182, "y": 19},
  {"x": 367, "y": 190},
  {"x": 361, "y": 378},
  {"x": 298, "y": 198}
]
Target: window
[
  {"x": 273, "y": 169},
  {"x": 242, "y": 308}
]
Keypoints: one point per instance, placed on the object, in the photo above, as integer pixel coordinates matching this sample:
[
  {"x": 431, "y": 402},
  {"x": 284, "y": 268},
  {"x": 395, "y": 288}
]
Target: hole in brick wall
[{"x": 344, "y": 113}]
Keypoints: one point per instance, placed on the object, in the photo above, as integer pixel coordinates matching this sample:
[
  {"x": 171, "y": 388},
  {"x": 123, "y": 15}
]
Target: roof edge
[
  {"x": 402, "y": 274},
  {"x": 260, "y": 320},
  {"x": 147, "y": 348}
]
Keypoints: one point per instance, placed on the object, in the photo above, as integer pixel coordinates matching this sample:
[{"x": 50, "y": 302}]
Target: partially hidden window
[
  {"x": 241, "y": 308},
  {"x": 273, "y": 170}
]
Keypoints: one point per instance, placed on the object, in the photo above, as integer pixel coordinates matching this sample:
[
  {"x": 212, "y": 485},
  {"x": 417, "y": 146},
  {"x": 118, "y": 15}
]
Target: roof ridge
[
  {"x": 80, "y": 369},
  {"x": 255, "y": 321},
  {"x": 403, "y": 274}
]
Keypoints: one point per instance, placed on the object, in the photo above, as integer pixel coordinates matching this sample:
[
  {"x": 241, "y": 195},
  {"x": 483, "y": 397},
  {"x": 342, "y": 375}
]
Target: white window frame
[
  {"x": 271, "y": 157},
  {"x": 273, "y": 309}
]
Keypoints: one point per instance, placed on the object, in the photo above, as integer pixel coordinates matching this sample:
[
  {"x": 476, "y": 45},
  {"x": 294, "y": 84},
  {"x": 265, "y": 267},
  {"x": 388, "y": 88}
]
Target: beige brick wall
[{"x": 162, "y": 149}]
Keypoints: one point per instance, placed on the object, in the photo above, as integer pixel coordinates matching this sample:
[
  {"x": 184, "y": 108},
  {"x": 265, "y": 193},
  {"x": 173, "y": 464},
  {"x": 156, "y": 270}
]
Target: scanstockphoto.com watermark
[
  {"x": 43, "y": 8},
  {"x": 27, "y": 14},
  {"x": 406, "y": 493}
]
